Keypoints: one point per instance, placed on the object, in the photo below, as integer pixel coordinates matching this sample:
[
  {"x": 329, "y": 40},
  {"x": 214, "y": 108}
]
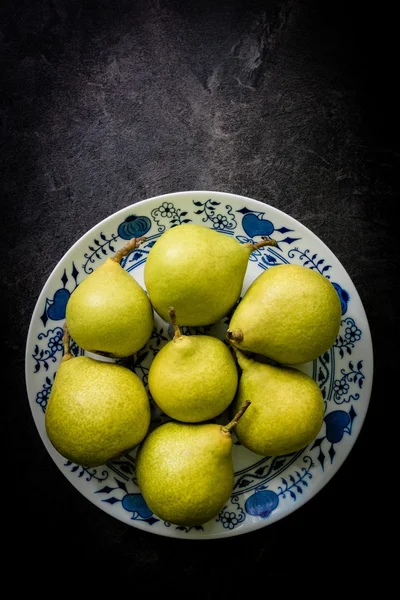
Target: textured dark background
[{"x": 107, "y": 103}]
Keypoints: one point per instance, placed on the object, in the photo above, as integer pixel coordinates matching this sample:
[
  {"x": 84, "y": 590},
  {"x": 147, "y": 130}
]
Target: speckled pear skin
[
  {"x": 110, "y": 312},
  {"x": 290, "y": 314},
  {"x": 96, "y": 410},
  {"x": 287, "y": 408},
  {"x": 193, "y": 378},
  {"x": 196, "y": 270},
  {"x": 185, "y": 472}
]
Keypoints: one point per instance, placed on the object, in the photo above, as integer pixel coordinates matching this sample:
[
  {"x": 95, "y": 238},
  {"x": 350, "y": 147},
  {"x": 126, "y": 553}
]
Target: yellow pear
[
  {"x": 185, "y": 472},
  {"x": 193, "y": 378},
  {"x": 290, "y": 314},
  {"x": 198, "y": 271},
  {"x": 96, "y": 410},
  {"x": 109, "y": 312},
  {"x": 287, "y": 408}
]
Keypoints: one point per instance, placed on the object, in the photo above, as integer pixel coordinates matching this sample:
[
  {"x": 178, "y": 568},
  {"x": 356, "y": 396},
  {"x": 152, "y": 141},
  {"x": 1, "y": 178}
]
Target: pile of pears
[{"x": 194, "y": 277}]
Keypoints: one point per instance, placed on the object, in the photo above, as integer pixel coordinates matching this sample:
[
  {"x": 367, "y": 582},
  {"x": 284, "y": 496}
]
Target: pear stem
[
  {"x": 129, "y": 246},
  {"x": 65, "y": 342},
  {"x": 263, "y": 242},
  {"x": 172, "y": 318},
  {"x": 228, "y": 428},
  {"x": 234, "y": 336}
]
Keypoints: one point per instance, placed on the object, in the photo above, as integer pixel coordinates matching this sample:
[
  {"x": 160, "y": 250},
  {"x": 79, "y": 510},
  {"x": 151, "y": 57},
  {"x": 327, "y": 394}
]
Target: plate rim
[{"x": 320, "y": 484}]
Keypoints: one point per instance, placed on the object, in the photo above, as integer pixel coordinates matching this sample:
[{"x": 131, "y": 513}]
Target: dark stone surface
[{"x": 107, "y": 103}]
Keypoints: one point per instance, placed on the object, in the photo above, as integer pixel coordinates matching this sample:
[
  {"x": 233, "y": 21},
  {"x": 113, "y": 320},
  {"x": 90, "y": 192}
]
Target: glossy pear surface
[
  {"x": 109, "y": 312},
  {"x": 193, "y": 378},
  {"x": 196, "y": 270},
  {"x": 96, "y": 410},
  {"x": 185, "y": 472},
  {"x": 287, "y": 408},
  {"x": 290, "y": 314}
]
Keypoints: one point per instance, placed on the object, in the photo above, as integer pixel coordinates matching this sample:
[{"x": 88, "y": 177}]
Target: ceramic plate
[{"x": 266, "y": 488}]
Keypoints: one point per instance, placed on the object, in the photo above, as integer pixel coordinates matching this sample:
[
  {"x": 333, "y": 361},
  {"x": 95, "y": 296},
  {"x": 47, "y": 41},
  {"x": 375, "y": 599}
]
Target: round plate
[{"x": 266, "y": 488}]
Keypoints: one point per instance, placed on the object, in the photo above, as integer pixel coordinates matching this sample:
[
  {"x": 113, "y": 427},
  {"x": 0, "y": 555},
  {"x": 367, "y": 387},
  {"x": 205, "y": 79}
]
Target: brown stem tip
[
  {"x": 172, "y": 318},
  {"x": 234, "y": 336},
  {"x": 129, "y": 246},
  {"x": 228, "y": 428},
  {"x": 65, "y": 343},
  {"x": 263, "y": 242}
]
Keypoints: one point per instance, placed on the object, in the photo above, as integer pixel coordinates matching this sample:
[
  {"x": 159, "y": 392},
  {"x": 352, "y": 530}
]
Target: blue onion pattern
[
  {"x": 261, "y": 504},
  {"x": 134, "y": 227}
]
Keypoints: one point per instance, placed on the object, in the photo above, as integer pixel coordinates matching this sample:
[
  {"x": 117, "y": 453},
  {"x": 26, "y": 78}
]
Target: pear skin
[
  {"x": 109, "y": 312},
  {"x": 290, "y": 314},
  {"x": 198, "y": 271},
  {"x": 96, "y": 410},
  {"x": 287, "y": 408},
  {"x": 193, "y": 378},
  {"x": 185, "y": 472}
]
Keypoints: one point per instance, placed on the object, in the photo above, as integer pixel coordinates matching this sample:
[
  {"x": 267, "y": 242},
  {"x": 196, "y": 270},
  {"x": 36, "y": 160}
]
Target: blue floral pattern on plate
[{"x": 266, "y": 488}]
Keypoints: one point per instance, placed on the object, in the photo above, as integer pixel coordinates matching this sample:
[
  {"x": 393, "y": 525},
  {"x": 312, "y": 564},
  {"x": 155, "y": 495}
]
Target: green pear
[
  {"x": 96, "y": 410},
  {"x": 287, "y": 408},
  {"x": 109, "y": 312},
  {"x": 198, "y": 271},
  {"x": 185, "y": 472},
  {"x": 290, "y": 314},
  {"x": 193, "y": 378}
]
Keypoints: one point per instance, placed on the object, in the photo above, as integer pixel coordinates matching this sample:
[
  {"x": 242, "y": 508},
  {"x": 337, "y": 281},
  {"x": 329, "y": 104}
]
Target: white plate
[{"x": 266, "y": 489}]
